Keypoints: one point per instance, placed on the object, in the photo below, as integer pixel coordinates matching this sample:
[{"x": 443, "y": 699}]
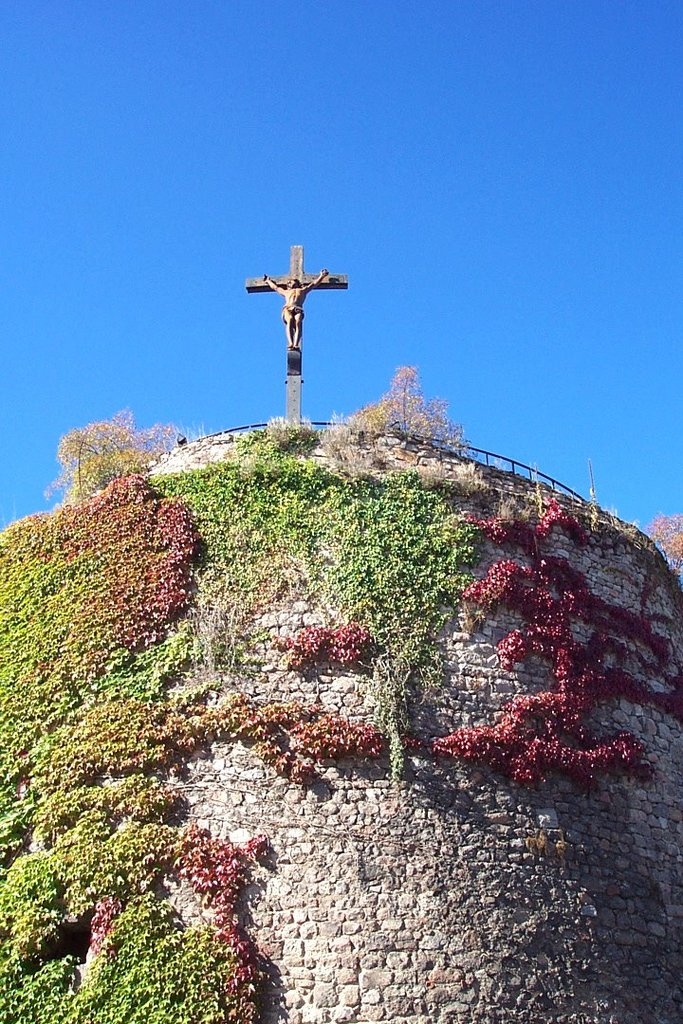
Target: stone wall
[
  {"x": 457, "y": 895},
  {"x": 345, "y": 449}
]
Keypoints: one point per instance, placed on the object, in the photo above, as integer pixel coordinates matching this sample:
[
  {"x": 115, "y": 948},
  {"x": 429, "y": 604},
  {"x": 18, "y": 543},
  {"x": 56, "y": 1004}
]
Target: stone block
[
  {"x": 349, "y": 995},
  {"x": 376, "y": 978},
  {"x": 325, "y": 994},
  {"x": 371, "y": 997},
  {"x": 343, "y": 1014}
]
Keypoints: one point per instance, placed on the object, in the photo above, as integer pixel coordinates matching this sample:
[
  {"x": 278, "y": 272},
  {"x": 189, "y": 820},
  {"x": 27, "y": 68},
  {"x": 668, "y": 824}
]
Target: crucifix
[{"x": 294, "y": 287}]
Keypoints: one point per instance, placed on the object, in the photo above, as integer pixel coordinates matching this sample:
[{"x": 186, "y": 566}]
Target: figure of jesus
[{"x": 294, "y": 294}]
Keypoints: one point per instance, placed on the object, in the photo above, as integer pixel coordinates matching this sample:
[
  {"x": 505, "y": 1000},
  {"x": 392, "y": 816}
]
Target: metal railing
[
  {"x": 502, "y": 462},
  {"x": 465, "y": 451}
]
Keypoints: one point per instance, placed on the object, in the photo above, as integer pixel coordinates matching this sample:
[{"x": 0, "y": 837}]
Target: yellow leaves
[
  {"x": 94, "y": 455},
  {"x": 667, "y": 532},
  {"x": 404, "y": 408}
]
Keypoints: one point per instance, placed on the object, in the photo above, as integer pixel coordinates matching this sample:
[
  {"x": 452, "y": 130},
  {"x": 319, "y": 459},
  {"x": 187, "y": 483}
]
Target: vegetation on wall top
[
  {"x": 667, "y": 532},
  {"x": 92, "y": 456},
  {"x": 405, "y": 408}
]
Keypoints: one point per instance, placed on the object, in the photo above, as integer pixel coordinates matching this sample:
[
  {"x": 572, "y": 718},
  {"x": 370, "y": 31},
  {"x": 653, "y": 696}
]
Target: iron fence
[{"x": 464, "y": 451}]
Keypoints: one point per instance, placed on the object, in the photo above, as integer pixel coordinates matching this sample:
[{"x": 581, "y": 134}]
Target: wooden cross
[{"x": 296, "y": 272}]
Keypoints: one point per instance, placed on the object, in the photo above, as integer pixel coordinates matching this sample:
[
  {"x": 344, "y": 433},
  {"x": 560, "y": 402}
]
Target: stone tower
[
  {"x": 448, "y": 699},
  {"x": 459, "y": 894}
]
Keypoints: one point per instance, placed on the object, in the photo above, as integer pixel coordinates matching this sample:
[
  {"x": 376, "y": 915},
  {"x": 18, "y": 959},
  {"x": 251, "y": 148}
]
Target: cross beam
[{"x": 296, "y": 272}]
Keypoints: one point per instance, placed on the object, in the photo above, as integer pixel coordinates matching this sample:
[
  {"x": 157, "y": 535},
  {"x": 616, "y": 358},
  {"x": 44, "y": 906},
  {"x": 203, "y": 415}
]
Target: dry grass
[
  {"x": 217, "y": 630},
  {"x": 299, "y": 438},
  {"x": 513, "y": 507},
  {"x": 470, "y": 478},
  {"x": 341, "y": 445},
  {"x": 471, "y": 617}
]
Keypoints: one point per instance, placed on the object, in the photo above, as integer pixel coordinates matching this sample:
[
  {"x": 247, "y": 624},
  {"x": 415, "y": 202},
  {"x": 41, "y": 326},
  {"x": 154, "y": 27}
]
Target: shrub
[
  {"x": 94, "y": 455},
  {"x": 404, "y": 408},
  {"x": 667, "y": 532}
]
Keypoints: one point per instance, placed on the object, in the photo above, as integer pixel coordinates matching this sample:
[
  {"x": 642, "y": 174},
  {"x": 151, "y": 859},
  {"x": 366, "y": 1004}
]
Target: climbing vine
[
  {"x": 87, "y": 598},
  {"x": 90, "y": 635},
  {"x": 549, "y": 731},
  {"x": 388, "y": 553},
  {"x": 148, "y": 970},
  {"x": 346, "y": 645},
  {"x": 93, "y": 737},
  {"x": 218, "y": 871}
]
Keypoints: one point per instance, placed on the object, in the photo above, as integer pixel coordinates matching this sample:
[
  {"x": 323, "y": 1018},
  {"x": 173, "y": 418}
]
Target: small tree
[
  {"x": 667, "y": 533},
  {"x": 405, "y": 408},
  {"x": 93, "y": 456}
]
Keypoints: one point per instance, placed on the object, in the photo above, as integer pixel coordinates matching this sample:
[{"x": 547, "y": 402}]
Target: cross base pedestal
[{"x": 293, "y": 387}]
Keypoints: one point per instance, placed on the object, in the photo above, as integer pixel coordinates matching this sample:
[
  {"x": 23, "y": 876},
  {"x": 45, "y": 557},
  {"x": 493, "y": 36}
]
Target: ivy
[
  {"x": 31, "y": 904},
  {"x": 144, "y": 675},
  {"x": 90, "y": 636},
  {"x": 348, "y": 645},
  {"x": 134, "y": 798},
  {"x": 95, "y": 862},
  {"x": 400, "y": 559},
  {"x": 93, "y": 629},
  {"x": 150, "y": 972},
  {"x": 83, "y": 591},
  {"x": 257, "y": 518},
  {"x": 218, "y": 871},
  {"x": 32, "y": 991},
  {"x": 115, "y": 736},
  {"x": 545, "y": 732},
  {"x": 389, "y": 554}
]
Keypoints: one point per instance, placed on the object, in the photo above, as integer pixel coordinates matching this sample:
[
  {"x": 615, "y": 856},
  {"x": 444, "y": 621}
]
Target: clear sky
[{"x": 502, "y": 181}]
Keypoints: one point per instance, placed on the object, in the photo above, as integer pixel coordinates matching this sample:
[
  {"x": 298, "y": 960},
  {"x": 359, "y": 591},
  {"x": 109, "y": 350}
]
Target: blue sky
[{"x": 502, "y": 181}]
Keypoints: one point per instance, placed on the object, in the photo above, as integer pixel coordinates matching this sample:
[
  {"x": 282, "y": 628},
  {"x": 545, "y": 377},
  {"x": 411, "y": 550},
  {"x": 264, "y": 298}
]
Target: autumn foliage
[
  {"x": 405, "y": 408},
  {"x": 346, "y": 645},
  {"x": 110, "y": 573},
  {"x": 667, "y": 532},
  {"x": 588, "y": 645},
  {"x": 94, "y": 455}
]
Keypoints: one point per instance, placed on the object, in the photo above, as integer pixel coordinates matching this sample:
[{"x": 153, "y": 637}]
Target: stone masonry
[{"x": 457, "y": 895}]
